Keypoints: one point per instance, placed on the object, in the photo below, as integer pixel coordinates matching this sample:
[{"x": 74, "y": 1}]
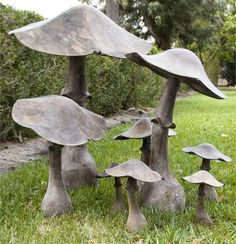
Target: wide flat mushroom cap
[
  {"x": 203, "y": 176},
  {"x": 59, "y": 119},
  {"x": 104, "y": 174},
  {"x": 182, "y": 64},
  {"x": 207, "y": 151},
  {"x": 81, "y": 30},
  {"x": 140, "y": 130},
  {"x": 136, "y": 169}
]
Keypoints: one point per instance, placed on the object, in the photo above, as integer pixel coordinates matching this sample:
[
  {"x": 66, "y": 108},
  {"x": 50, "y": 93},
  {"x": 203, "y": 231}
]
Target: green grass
[{"x": 199, "y": 119}]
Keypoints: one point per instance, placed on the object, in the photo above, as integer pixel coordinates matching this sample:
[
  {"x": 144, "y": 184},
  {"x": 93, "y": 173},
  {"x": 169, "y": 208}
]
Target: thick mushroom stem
[
  {"x": 118, "y": 203},
  {"x": 75, "y": 158},
  {"x": 209, "y": 191},
  {"x": 201, "y": 214},
  {"x": 136, "y": 220},
  {"x": 56, "y": 200},
  {"x": 168, "y": 194},
  {"x": 145, "y": 149}
]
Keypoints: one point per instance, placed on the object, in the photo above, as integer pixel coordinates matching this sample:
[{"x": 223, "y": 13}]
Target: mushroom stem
[
  {"x": 56, "y": 200},
  {"x": 136, "y": 220},
  {"x": 202, "y": 215},
  {"x": 145, "y": 149},
  {"x": 168, "y": 194},
  {"x": 209, "y": 191},
  {"x": 75, "y": 158},
  {"x": 118, "y": 204}
]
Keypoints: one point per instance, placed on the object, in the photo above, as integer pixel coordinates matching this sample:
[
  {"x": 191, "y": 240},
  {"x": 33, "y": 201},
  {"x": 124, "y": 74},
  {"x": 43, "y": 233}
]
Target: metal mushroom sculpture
[
  {"x": 76, "y": 33},
  {"x": 176, "y": 65},
  {"x": 203, "y": 178},
  {"x": 118, "y": 204},
  {"x": 207, "y": 152},
  {"x": 61, "y": 121},
  {"x": 142, "y": 129},
  {"x": 135, "y": 170}
]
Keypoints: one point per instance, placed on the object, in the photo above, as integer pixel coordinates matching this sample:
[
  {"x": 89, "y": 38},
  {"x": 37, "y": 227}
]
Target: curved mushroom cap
[
  {"x": 81, "y": 30},
  {"x": 104, "y": 174},
  {"x": 59, "y": 119},
  {"x": 203, "y": 176},
  {"x": 140, "y": 130},
  {"x": 136, "y": 169},
  {"x": 182, "y": 64},
  {"x": 207, "y": 151}
]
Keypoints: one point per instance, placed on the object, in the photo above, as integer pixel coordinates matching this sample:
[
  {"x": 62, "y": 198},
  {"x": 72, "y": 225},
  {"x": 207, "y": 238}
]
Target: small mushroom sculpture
[
  {"x": 142, "y": 129},
  {"x": 176, "y": 65},
  {"x": 118, "y": 204},
  {"x": 203, "y": 178},
  {"x": 61, "y": 121},
  {"x": 76, "y": 33},
  {"x": 207, "y": 152},
  {"x": 135, "y": 170}
]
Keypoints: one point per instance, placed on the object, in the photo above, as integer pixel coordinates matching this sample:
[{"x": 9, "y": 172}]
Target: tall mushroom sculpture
[
  {"x": 142, "y": 129},
  {"x": 76, "y": 33},
  {"x": 61, "y": 121},
  {"x": 135, "y": 170},
  {"x": 207, "y": 152},
  {"x": 176, "y": 65}
]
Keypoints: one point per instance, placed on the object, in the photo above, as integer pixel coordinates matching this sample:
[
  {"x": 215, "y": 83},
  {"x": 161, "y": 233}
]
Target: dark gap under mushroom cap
[
  {"x": 182, "y": 64},
  {"x": 203, "y": 176},
  {"x": 140, "y": 130},
  {"x": 207, "y": 151},
  {"x": 59, "y": 119},
  {"x": 136, "y": 169},
  {"x": 81, "y": 30}
]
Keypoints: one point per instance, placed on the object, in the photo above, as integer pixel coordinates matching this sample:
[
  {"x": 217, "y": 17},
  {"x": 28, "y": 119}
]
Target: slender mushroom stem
[
  {"x": 136, "y": 220},
  {"x": 168, "y": 194},
  {"x": 209, "y": 191},
  {"x": 118, "y": 203},
  {"x": 56, "y": 200},
  {"x": 202, "y": 215},
  {"x": 75, "y": 158},
  {"x": 145, "y": 149}
]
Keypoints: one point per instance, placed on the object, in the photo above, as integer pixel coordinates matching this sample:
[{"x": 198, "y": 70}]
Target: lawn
[{"x": 199, "y": 119}]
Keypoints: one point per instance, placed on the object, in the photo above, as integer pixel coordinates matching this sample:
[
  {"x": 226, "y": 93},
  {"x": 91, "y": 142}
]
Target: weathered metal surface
[
  {"x": 59, "y": 119},
  {"x": 140, "y": 130},
  {"x": 203, "y": 176},
  {"x": 136, "y": 169},
  {"x": 81, "y": 30},
  {"x": 182, "y": 64},
  {"x": 207, "y": 151}
]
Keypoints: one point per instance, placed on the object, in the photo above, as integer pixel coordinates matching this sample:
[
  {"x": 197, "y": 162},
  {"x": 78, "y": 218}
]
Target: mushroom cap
[
  {"x": 140, "y": 130},
  {"x": 182, "y": 64},
  {"x": 59, "y": 119},
  {"x": 207, "y": 151},
  {"x": 104, "y": 174},
  {"x": 203, "y": 176},
  {"x": 80, "y": 30},
  {"x": 136, "y": 169}
]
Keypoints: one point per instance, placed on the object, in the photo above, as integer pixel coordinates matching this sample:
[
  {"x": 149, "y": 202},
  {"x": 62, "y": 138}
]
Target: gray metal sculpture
[
  {"x": 142, "y": 129},
  {"x": 76, "y": 33},
  {"x": 135, "y": 170},
  {"x": 203, "y": 178},
  {"x": 118, "y": 204},
  {"x": 61, "y": 121},
  {"x": 176, "y": 65},
  {"x": 207, "y": 152}
]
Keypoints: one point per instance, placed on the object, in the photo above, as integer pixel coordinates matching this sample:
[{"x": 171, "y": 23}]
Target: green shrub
[{"x": 114, "y": 84}]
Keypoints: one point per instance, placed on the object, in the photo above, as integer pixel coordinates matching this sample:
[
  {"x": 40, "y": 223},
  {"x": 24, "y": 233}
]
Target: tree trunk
[
  {"x": 112, "y": 10},
  {"x": 167, "y": 194},
  {"x": 78, "y": 166}
]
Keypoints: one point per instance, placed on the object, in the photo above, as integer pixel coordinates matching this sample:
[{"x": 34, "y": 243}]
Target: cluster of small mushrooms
[{"x": 68, "y": 126}]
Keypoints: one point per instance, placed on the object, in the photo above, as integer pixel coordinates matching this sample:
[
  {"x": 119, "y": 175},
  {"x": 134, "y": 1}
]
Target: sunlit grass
[{"x": 199, "y": 119}]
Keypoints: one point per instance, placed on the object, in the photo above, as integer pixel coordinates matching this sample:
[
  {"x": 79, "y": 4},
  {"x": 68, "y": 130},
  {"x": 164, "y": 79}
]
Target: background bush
[{"x": 114, "y": 84}]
